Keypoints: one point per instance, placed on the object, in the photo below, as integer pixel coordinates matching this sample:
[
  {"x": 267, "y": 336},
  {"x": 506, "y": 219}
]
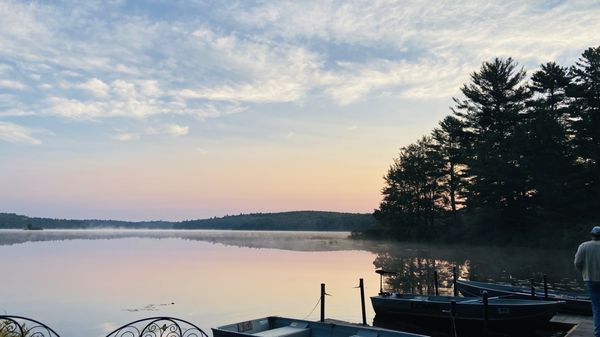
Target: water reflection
[
  {"x": 87, "y": 282},
  {"x": 296, "y": 241},
  {"x": 415, "y": 265}
]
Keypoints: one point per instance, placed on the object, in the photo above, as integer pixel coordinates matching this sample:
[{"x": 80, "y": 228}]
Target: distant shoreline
[{"x": 319, "y": 221}]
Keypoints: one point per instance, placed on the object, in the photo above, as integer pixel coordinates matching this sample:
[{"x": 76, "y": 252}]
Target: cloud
[
  {"x": 176, "y": 130},
  {"x": 85, "y": 65},
  {"x": 173, "y": 130},
  {"x": 429, "y": 50},
  {"x": 14, "y": 85},
  {"x": 355, "y": 81},
  {"x": 96, "y": 87},
  {"x": 14, "y": 133},
  {"x": 262, "y": 92},
  {"x": 125, "y": 136},
  {"x": 416, "y": 26}
]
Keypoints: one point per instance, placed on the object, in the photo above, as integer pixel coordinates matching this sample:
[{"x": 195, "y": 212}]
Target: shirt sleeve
[{"x": 578, "y": 262}]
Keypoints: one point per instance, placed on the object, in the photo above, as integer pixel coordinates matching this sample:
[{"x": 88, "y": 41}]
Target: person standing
[{"x": 587, "y": 262}]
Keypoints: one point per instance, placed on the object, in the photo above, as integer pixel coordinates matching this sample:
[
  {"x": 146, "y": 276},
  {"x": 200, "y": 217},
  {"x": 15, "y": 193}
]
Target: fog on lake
[{"x": 88, "y": 282}]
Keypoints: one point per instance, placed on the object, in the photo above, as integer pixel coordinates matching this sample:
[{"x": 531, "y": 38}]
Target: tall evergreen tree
[
  {"x": 549, "y": 160},
  {"x": 492, "y": 114},
  {"x": 412, "y": 192},
  {"x": 586, "y": 124},
  {"x": 447, "y": 144}
]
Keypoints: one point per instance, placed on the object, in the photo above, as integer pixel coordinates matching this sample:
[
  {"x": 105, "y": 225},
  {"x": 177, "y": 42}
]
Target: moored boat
[
  {"x": 466, "y": 312},
  {"x": 274, "y": 326},
  {"x": 577, "y": 303}
]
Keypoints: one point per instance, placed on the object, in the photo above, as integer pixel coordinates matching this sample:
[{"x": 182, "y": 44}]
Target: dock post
[
  {"x": 322, "y": 302},
  {"x": 545, "y": 287},
  {"x": 453, "y": 317},
  {"x": 532, "y": 288},
  {"x": 435, "y": 283},
  {"x": 362, "y": 301},
  {"x": 454, "y": 278},
  {"x": 485, "y": 312}
]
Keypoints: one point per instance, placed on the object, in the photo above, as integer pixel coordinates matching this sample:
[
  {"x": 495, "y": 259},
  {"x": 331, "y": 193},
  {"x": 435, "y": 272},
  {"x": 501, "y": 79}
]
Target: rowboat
[
  {"x": 274, "y": 326},
  {"x": 465, "y": 312},
  {"x": 577, "y": 303}
]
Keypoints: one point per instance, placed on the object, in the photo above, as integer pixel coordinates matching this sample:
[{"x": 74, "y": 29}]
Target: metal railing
[
  {"x": 158, "y": 327},
  {"x": 18, "y": 326}
]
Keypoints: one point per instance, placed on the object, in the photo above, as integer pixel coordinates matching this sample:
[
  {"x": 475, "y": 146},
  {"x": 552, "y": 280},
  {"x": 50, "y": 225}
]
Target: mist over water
[{"x": 88, "y": 282}]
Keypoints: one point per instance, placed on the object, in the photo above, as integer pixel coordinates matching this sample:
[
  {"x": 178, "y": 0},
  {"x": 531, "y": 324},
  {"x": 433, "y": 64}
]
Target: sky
[{"x": 172, "y": 110}]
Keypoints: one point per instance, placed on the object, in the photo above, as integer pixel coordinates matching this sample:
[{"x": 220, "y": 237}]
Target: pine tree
[
  {"x": 447, "y": 145},
  {"x": 586, "y": 94},
  {"x": 494, "y": 137},
  {"x": 412, "y": 193},
  {"x": 549, "y": 158}
]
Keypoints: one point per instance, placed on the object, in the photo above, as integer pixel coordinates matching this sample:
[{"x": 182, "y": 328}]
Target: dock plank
[{"x": 583, "y": 325}]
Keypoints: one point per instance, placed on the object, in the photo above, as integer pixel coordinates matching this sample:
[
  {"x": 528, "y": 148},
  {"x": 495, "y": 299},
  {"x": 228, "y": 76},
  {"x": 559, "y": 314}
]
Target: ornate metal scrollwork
[
  {"x": 158, "y": 327},
  {"x": 17, "y": 326}
]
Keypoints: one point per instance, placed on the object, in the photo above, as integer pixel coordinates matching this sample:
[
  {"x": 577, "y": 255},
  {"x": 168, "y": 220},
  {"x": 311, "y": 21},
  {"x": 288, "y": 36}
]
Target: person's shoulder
[{"x": 590, "y": 244}]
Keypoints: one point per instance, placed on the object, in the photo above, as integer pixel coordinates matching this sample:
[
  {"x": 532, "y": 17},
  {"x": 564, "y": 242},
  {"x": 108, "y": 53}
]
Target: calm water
[{"x": 87, "y": 283}]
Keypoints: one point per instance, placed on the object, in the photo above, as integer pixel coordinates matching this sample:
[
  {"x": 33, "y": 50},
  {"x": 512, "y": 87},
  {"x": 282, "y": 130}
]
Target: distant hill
[
  {"x": 288, "y": 221},
  {"x": 15, "y": 221},
  {"x": 300, "y": 220}
]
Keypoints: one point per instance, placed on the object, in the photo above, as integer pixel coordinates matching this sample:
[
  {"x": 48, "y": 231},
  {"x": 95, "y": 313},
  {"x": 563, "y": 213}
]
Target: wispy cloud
[
  {"x": 169, "y": 129},
  {"x": 177, "y": 130},
  {"x": 125, "y": 136},
  {"x": 96, "y": 87},
  {"x": 173, "y": 130},
  {"x": 15, "y": 133},
  {"x": 85, "y": 65},
  {"x": 9, "y": 84},
  {"x": 429, "y": 49}
]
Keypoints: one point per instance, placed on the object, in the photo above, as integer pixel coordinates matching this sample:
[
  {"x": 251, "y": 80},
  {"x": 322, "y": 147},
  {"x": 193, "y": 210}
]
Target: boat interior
[{"x": 287, "y": 327}]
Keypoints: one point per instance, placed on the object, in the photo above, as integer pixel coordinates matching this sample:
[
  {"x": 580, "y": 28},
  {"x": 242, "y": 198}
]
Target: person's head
[{"x": 595, "y": 233}]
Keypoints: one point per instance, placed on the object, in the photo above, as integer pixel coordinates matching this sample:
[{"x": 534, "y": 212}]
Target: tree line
[
  {"x": 290, "y": 221},
  {"x": 517, "y": 160},
  {"x": 286, "y": 221}
]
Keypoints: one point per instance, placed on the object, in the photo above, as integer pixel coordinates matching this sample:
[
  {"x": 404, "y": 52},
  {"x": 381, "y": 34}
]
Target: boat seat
[
  {"x": 295, "y": 329},
  {"x": 365, "y": 333}
]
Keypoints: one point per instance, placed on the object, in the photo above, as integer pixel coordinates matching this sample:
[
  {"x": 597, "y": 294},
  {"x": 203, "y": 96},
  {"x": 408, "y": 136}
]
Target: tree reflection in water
[{"x": 416, "y": 264}]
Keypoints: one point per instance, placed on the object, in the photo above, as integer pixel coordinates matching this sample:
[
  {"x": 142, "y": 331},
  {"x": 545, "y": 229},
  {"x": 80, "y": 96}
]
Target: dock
[
  {"x": 575, "y": 325},
  {"x": 583, "y": 326}
]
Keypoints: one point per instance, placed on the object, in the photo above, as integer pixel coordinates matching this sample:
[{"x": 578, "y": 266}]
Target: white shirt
[{"x": 587, "y": 260}]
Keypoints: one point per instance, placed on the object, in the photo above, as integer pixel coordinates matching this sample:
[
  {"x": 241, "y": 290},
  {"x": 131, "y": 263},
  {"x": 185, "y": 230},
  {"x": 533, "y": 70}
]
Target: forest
[
  {"x": 298, "y": 220},
  {"x": 516, "y": 161}
]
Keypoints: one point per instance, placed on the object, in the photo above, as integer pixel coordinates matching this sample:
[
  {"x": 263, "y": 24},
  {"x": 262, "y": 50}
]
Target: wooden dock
[
  {"x": 583, "y": 326},
  {"x": 577, "y": 326}
]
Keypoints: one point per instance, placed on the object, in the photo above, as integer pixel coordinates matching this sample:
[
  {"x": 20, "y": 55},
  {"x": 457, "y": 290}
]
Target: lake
[{"x": 89, "y": 282}]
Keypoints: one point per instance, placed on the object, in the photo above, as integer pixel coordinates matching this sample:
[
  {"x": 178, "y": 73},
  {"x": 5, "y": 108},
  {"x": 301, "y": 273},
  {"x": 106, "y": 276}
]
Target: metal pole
[
  {"x": 361, "y": 284},
  {"x": 322, "y": 302},
  {"x": 453, "y": 317},
  {"x": 435, "y": 283},
  {"x": 532, "y": 289},
  {"x": 454, "y": 278},
  {"x": 545, "y": 287},
  {"x": 485, "y": 313}
]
